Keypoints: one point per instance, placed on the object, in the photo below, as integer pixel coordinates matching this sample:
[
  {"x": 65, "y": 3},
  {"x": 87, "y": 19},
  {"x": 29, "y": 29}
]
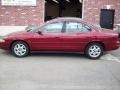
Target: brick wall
[
  {"x": 19, "y": 15},
  {"x": 92, "y": 9},
  {"x": 16, "y": 15}
]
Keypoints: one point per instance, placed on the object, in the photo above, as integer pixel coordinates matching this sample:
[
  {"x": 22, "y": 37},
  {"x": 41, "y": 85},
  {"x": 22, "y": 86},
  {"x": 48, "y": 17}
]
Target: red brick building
[
  {"x": 22, "y": 15},
  {"x": 89, "y": 10},
  {"x": 92, "y": 9}
]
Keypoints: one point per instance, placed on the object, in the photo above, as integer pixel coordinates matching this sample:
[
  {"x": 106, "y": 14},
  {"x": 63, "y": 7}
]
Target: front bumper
[
  {"x": 118, "y": 43},
  {"x": 112, "y": 45},
  {"x": 4, "y": 44}
]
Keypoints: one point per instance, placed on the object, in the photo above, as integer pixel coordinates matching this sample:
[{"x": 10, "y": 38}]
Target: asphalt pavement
[{"x": 59, "y": 71}]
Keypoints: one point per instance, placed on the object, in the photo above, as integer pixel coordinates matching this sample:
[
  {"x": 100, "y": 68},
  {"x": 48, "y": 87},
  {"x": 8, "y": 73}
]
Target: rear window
[{"x": 97, "y": 26}]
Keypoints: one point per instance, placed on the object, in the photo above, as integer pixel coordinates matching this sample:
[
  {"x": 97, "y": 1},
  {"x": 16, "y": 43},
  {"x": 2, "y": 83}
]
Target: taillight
[{"x": 119, "y": 35}]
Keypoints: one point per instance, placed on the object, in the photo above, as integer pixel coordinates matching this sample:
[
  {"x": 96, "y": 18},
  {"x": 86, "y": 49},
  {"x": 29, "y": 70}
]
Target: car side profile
[{"x": 62, "y": 34}]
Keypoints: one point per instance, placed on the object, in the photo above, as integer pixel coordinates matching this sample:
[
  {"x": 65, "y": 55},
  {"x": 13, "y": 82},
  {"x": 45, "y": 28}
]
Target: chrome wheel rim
[
  {"x": 94, "y": 51},
  {"x": 20, "y": 49}
]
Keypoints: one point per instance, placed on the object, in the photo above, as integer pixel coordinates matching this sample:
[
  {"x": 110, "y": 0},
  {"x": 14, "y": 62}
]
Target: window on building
[{"x": 63, "y": 8}]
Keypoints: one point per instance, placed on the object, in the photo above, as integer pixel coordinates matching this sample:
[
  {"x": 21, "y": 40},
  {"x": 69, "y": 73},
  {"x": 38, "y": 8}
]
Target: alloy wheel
[
  {"x": 94, "y": 51},
  {"x": 20, "y": 49}
]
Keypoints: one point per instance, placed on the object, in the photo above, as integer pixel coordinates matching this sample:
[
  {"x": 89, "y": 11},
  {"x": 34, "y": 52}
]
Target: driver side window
[{"x": 53, "y": 28}]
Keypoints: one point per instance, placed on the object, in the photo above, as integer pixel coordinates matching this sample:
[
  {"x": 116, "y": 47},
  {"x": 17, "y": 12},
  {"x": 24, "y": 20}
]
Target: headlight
[{"x": 2, "y": 40}]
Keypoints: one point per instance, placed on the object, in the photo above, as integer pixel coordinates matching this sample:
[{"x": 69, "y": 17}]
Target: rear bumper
[
  {"x": 113, "y": 46},
  {"x": 118, "y": 43}
]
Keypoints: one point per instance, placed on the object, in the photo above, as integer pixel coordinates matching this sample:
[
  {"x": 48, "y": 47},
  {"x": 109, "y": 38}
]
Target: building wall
[
  {"x": 19, "y": 15},
  {"x": 92, "y": 9}
]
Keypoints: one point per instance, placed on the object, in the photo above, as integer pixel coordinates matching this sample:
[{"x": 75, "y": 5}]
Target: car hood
[{"x": 20, "y": 34}]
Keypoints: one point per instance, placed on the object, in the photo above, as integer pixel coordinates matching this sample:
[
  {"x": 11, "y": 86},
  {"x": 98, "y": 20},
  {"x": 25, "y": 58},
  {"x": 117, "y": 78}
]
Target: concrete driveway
[{"x": 51, "y": 71}]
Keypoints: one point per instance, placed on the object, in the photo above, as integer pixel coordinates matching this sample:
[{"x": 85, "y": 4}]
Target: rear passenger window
[{"x": 76, "y": 27}]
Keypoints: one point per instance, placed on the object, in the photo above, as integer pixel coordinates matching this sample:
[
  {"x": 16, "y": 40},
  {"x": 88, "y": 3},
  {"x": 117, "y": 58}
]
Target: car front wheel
[
  {"x": 20, "y": 49},
  {"x": 94, "y": 50}
]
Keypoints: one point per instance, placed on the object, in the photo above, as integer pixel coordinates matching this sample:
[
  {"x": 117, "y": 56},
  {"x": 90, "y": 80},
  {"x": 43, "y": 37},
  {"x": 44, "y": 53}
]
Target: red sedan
[{"x": 62, "y": 34}]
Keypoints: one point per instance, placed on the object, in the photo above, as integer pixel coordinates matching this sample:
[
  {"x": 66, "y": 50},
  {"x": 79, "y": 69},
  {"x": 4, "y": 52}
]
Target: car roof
[
  {"x": 74, "y": 19},
  {"x": 66, "y": 19}
]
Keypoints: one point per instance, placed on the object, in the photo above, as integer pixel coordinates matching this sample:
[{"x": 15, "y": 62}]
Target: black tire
[
  {"x": 92, "y": 54},
  {"x": 20, "y": 52}
]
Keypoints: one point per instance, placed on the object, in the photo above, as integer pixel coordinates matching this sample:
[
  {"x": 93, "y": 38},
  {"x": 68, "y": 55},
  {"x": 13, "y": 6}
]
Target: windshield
[{"x": 33, "y": 28}]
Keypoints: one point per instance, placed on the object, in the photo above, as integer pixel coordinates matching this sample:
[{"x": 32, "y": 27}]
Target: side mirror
[{"x": 39, "y": 32}]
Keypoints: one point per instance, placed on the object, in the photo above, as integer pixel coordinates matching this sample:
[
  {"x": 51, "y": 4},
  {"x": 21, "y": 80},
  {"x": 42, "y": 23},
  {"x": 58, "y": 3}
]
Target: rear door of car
[{"x": 76, "y": 36}]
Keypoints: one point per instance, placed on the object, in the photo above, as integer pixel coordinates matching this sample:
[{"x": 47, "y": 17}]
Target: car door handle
[{"x": 57, "y": 37}]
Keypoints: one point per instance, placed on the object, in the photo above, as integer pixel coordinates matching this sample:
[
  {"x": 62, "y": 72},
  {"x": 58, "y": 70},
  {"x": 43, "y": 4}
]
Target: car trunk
[{"x": 111, "y": 31}]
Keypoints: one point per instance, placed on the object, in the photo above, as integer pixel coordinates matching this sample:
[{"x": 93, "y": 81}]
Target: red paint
[{"x": 64, "y": 41}]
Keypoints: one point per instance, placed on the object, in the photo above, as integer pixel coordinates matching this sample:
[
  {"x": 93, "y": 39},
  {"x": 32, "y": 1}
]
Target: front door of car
[
  {"x": 76, "y": 36},
  {"x": 49, "y": 38}
]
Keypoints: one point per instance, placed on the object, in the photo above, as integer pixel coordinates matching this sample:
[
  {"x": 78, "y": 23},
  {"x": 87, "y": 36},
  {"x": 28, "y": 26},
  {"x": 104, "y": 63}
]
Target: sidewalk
[
  {"x": 4, "y": 30},
  {"x": 116, "y": 53}
]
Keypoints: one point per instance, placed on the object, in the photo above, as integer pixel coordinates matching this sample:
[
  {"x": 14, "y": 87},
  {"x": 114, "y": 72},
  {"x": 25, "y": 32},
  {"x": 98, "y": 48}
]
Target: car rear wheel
[
  {"x": 20, "y": 49},
  {"x": 94, "y": 50}
]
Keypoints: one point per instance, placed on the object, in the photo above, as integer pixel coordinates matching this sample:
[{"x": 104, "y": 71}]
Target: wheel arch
[
  {"x": 17, "y": 41},
  {"x": 101, "y": 43}
]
